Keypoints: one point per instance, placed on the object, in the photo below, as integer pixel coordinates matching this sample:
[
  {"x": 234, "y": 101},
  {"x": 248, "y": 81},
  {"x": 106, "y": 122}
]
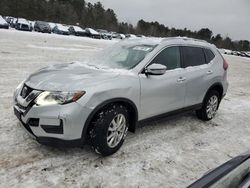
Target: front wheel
[
  {"x": 209, "y": 106},
  {"x": 108, "y": 129}
]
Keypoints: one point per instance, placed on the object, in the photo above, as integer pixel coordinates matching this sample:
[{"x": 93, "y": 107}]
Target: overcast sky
[{"x": 228, "y": 17}]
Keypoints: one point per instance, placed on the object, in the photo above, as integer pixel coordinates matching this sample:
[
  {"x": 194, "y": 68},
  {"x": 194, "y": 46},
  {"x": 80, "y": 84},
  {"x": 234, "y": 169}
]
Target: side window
[
  {"x": 193, "y": 56},
  {"x": 170, "y": 57},
  {"x": 209, "y": 55}
]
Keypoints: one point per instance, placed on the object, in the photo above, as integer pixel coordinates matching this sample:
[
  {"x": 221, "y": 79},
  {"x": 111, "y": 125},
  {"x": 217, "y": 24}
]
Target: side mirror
[{"x": 155, "y": 69}]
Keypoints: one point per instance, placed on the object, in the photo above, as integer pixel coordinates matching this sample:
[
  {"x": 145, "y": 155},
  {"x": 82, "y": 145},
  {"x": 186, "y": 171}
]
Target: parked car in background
[
  {"x": 77, "y": 31},
  {"x": 9, "y": 19},
  {"x": 234, "y": 53},
  {"x": 117, "y": 35},
  {"x": 61, "y": 29},
  {"x": 91, "y": 101},
  {"x": 238, "y": 53},
  {"x": 244, "y": 54},
  {"x": 32, "y": 24},
  {"x": 105, "y": 34},
  {"x": 234, "y": 173},
  {"x": 221, "y": 50},
  {"x": 92, "y": 33},
  {"x": 3, "y": 23},
  {"x": 140, "y": 36},
  {"x": 122, "y": 36},
  {"x": 131, "y": 36},
  {"x": 13, "y": 22},
  {"x": 23, "y": 25},
  {"x": 52, "y": 25},
  {"x": 228, "y": 52},
  {"x": 41, "y": 26}
]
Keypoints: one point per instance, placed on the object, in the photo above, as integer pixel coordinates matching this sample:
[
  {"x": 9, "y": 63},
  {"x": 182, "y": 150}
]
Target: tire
[
  {"x": 204, "y": 113},
  {"x": 104, "y": 139}
]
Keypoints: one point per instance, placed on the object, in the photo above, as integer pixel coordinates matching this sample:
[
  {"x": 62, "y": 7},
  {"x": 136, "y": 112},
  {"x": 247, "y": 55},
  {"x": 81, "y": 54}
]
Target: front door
[{"x": 164, "y": 93}]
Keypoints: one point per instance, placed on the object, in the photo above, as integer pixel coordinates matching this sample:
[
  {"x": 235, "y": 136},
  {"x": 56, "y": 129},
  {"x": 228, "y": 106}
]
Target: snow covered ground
[{"x": 172, "y": 152}]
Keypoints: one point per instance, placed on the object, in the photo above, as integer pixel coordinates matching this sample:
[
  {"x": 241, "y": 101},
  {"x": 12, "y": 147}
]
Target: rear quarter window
[
  {"x": 209, "y": 55},
  {"x": 193, "y": 56}
]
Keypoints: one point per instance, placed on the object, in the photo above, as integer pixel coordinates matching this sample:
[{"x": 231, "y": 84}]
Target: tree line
[{"x": 79, "y": 12}]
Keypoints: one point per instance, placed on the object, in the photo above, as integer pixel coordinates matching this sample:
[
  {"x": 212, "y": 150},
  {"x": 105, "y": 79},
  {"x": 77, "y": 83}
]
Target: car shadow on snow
[{"x": 185, "y": 122}]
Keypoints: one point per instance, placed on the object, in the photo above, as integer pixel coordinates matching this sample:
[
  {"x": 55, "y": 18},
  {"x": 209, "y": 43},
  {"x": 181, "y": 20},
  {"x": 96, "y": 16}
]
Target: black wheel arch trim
[
  {"x": 210, "y": 88},
  {"x": 133, "y": 122}
]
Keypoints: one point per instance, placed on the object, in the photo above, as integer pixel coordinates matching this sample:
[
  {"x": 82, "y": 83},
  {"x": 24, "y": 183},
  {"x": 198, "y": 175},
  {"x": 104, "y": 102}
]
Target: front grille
[{"x": 29, "y": 94}]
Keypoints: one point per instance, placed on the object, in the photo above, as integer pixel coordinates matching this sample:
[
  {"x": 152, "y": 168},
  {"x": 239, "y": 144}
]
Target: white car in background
[
  {"x": 229, "y": 52},
  {"x": 122, "y": 36},
  {"x": 222, "y": 51},
  {"x": 61, "y": 29},
  {"x": 23, "y": 25},
  {"x": 3, "y": 23},
  {"x": 132, "y": 36},
  {"x": 32, "y": 24},
  {"x": 52, "y": 25}
]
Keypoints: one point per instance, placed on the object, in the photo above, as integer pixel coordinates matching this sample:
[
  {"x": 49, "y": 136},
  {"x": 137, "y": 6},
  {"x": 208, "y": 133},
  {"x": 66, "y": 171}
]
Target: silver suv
[{"x": 100, "y": 99}]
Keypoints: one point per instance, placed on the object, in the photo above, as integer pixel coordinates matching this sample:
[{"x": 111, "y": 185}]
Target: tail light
[{"x": 225, "y": 65}]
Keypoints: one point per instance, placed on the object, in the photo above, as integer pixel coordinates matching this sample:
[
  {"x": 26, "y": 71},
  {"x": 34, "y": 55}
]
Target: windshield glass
[
  {"x": 43, "y": 23},
  {"x": 123, "y": 55}
]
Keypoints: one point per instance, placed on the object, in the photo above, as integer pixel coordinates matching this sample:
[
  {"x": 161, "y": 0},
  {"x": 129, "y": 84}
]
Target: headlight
[{"x": 50, "y": 98}]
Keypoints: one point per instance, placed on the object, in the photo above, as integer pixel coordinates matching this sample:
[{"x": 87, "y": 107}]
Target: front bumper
[{"x": 55, "y": 124}]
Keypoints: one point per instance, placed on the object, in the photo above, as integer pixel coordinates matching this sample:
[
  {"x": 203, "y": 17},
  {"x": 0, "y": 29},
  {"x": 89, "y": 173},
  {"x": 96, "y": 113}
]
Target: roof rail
[{"x": 184, "y": 38}]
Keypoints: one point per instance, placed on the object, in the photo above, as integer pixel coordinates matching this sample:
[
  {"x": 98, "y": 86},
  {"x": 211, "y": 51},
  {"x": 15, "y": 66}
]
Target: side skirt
[{"x": 172, "y": 113}]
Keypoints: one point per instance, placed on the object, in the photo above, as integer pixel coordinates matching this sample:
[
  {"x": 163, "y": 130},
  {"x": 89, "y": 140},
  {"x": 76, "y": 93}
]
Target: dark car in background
[
  {"x": 244, "y": 54},
  {"x": 104, "y": 34},
  {"x": 132, "y": 36},
  {"x": 118, "y": 35},
  {"x": 92, "y": 33},
  {"x": 3, "y": 23},
  {"x": 23, "y": 25},
  {"x": 13, "y": 22},
  {"x": 61, "y": 29},
  {"x": 234, "y": 173},
  {"x": 10, "y": 20},
  {"x": 43, "y": 27},
  {"x": 77, "y": 31}
]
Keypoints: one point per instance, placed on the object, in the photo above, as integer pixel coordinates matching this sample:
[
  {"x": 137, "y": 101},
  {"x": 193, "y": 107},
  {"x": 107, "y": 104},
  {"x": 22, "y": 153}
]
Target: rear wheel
[
  {"x": 209, "y": 106},
  {"x": 108, "y": 129}
]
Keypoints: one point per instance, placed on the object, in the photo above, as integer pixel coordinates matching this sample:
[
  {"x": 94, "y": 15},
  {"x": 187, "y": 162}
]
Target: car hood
[{"x": 69, "y": 77}]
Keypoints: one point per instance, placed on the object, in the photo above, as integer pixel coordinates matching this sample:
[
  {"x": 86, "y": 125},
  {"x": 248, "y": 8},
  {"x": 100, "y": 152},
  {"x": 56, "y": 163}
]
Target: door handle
[
  {"x": 181, "y": 79},
  {"x": 210, "y": 72}
]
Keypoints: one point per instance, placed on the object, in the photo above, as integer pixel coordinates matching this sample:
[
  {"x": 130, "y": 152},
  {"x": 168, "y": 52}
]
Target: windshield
[
  {"x": 123, "y": 55},
  {"x": 43, "y": 23}
]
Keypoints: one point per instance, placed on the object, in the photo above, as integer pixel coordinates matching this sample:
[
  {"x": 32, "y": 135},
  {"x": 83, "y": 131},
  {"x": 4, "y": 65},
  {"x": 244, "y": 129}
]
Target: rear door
[
  {"x": 163, "y": 93},
  {"x": 198, "y": 74}
]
